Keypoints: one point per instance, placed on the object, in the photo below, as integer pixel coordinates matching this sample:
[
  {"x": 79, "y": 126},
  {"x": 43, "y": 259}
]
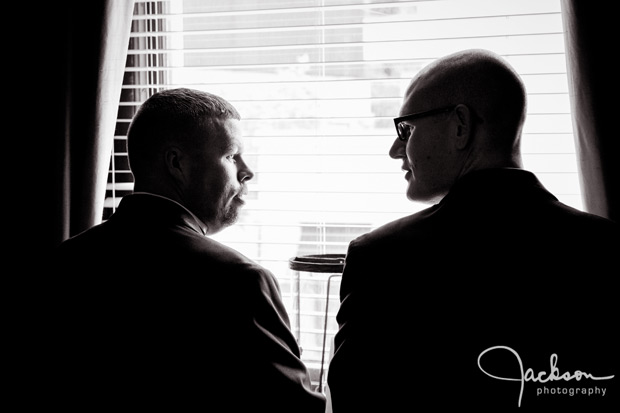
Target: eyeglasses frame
[{"x": 417, "y": 115}]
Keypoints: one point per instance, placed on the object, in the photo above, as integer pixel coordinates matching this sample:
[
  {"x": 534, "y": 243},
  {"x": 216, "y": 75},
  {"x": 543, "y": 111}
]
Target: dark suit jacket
[
  {"x": 499, "y": 261},
  {"x": 150, "y": 313}
]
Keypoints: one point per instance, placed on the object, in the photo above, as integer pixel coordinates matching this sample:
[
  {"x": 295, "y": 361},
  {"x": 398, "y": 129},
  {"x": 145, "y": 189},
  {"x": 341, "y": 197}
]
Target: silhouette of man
[
  {"x": 155, "y": 313},
  {"x": 495, "y": 261}
]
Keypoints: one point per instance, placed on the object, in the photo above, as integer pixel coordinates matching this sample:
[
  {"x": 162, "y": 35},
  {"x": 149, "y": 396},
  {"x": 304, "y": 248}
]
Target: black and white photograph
[{"x": 324, "y": 206}]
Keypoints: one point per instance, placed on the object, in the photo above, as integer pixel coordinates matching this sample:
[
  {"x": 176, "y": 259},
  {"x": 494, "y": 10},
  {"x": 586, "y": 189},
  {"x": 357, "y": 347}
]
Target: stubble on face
[
  {"x": 214, "y": 187},
  {"x": 229, "y": 213}
]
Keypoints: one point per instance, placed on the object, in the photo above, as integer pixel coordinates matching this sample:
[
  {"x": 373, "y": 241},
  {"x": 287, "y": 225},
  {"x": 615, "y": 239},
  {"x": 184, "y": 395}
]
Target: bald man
[{"x": 448, "y": 308}]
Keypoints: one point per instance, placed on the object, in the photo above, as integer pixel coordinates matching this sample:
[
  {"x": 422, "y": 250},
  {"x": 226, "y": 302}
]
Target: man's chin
[
  {"x": 231, "y": 215},
  {"x": 222, "y": 221},
  {"x": 412, "y": 192},
  {"x": 417, "y": 194}
]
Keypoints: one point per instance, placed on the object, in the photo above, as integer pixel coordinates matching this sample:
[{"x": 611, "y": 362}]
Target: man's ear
[
  {"x": 464, "y": 126},
  {"x": 174, "y": 159}
]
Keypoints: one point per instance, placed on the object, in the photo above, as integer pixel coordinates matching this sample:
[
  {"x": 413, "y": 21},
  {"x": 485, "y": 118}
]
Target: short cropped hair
[{"x": 172, "y": 117}]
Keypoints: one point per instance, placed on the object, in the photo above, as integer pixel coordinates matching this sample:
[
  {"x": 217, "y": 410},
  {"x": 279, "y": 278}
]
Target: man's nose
[
  {"x": 397, "y": 151},
  {"x": 244, "y": 173}
]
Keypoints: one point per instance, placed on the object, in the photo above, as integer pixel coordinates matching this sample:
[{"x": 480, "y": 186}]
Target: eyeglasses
[{"x": 403, "y": 130}]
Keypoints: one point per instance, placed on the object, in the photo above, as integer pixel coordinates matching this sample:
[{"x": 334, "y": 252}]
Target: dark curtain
[
  {"x": 590, "y": 48},
  {"x": 99, "y": 36},
  {"x": 63, "y": 75},
  {"x": 83, "y": 48}
]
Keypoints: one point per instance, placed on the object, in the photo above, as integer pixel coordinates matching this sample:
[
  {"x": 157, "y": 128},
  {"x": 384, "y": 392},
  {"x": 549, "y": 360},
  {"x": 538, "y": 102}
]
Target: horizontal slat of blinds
[{"x": 431, "y": 9}]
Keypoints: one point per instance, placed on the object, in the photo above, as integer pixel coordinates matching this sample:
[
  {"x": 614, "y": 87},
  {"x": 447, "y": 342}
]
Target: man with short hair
[
  {"x": 440, "y": 309},
  {"x": 156, "y": 315}
]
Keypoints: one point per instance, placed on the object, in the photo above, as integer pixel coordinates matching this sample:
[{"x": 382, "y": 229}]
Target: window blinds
[{"x": 317, "y": 83}]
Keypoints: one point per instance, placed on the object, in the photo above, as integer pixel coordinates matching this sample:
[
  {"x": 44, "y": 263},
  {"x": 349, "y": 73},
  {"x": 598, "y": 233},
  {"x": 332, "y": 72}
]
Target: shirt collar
[{"x": 198, "y": 225}]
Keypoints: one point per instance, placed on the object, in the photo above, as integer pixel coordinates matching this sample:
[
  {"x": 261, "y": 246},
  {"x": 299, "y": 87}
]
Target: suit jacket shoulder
[
  {"x": 399, "y": 230},
  {"x": 498, "y": 262},
  {"x": 148, "y": 303}
]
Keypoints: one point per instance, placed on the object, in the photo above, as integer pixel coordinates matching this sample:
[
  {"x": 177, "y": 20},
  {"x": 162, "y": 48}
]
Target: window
[{"x": 317, "y": 83}]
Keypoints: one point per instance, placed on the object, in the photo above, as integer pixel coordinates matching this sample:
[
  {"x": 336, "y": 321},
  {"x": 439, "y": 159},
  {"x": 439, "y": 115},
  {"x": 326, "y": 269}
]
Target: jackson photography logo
[{"x": 544, "y": 377}]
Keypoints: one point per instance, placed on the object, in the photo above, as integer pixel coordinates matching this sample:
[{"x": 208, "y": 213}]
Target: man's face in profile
[
  {"x": 426, "y": 154},
  {"x": 218, "y": 174}
]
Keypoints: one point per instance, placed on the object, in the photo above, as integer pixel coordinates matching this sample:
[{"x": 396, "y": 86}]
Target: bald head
[
  {"x": 485, "y": 106},
  {"x": 484, "y": 82}
]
